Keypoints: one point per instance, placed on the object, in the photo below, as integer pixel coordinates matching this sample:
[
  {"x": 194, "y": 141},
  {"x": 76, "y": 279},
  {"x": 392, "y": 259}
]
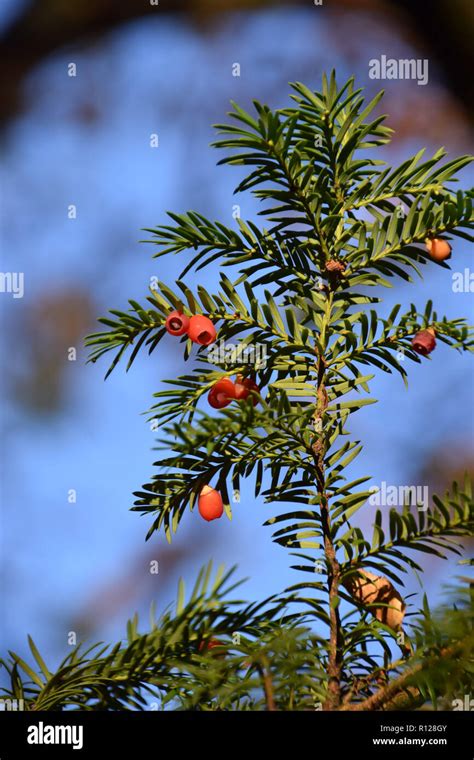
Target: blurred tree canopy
[{"x": 45, "y": 26}]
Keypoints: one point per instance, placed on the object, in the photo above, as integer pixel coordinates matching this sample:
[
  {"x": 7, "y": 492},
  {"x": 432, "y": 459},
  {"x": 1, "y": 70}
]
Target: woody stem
[{"x": 319, "y": 452}]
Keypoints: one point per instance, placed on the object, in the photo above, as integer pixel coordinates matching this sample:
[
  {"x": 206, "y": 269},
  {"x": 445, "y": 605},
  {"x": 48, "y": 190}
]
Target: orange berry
[
  {"x": 210, "y": 504},
  {"x": 201, "y": 330},
  {"x": 439, "y": 249}
]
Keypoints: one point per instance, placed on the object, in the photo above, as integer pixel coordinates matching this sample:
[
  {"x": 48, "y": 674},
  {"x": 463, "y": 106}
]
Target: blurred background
[{"x": 79, "y": 179}]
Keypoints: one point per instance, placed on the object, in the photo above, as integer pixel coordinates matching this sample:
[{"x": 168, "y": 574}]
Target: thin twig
[
  {"x": 391, "y": 691},
  {"x": 267, "y": 681}
]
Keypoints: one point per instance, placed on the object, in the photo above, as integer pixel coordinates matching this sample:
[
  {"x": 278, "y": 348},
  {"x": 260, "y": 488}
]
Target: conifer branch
[{"x": 339, "y": 222}]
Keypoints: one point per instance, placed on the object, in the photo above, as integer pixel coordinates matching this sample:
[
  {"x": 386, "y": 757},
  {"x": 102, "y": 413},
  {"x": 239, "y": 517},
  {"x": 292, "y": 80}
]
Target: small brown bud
[{"x": 336, "y": 267}]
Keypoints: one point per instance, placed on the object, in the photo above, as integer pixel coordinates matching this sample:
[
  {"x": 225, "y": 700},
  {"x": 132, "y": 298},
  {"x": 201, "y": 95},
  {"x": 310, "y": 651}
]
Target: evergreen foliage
[{"x": 339, "y": 223}]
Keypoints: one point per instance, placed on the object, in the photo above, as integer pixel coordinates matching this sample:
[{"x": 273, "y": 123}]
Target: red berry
[
  {"x": 201, "y": 330},
  {"x": 439, "y": 249},
  {"x": 244, "y": 387},
  {"x": 222, "y": 393},
  {"x": 211, "y": 644},
  {"x": 210, "y": 504},
  {"x": 424, "y": 341},
  {"x": 177, "y": 323}
]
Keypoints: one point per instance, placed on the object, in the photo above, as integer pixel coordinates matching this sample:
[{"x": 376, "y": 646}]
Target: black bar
[{"x": 348, "y": 734}]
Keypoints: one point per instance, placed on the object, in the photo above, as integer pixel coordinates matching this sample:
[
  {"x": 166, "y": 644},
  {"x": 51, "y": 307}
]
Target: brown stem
[
  {"x": 335, "y": 659},
  {"x": 319, "y": 452},
  {"x": 388, "y": 695},
  {"x": 267, "y": 681},
  {"x": 335, "y": 651}
]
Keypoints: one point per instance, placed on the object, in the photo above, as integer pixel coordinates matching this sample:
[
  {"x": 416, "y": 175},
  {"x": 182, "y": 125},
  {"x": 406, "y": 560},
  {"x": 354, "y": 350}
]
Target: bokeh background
[{"x": 167, "y": 69}]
